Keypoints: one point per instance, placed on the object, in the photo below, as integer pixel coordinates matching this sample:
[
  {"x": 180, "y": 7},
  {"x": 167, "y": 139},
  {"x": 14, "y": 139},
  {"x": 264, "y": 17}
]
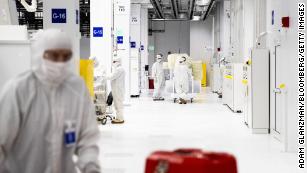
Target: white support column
[
  {"x": 122, "y": 37},
  {"x": 226, "y": 48},
  {"x": 5, "y": 16},
  {"x": 135, "y": 39},
  {"x": 144, "y": 47},
  {"x": 64, "y": 15},
  {"x": 260, "y": 25},
  {"x": 101, "y": 31}
]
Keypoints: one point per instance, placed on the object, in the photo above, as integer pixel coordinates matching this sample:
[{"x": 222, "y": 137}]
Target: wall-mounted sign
[
  {"x": 135, "y": 20},
  {"x": 58, "y": 15},
  {"x": 133, "y": 44},
  {"x": 121, "y": 8},
  {"x": 97, "y": 31},
  {"x": 120, "y": 39}
]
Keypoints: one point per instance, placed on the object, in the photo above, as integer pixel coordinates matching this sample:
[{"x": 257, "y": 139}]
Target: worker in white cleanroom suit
[
  {"x": 182, "y": 76},
  {"x": 117, "y": 78},
  {"x": 99, "y": 72},
  {"x": 47, "y": 115},
  {"x": 159, "y": 78}
]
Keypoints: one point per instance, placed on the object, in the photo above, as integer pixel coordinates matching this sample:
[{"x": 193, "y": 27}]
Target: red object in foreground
[
  {"x": 285, "y": 22},
  {"x": 190, "y": 161},
  {"x": 151, "y": 84}
]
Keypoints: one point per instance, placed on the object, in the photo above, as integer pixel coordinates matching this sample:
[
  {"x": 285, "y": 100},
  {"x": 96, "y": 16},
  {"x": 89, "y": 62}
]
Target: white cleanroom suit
[
  {"x": 99, "y": 72},
  {"x": 159, "y": 77},
  {"x": 47, "y": 116},
  {"x": 182, "y": 76},
  {"x": 117, "y": 78}
]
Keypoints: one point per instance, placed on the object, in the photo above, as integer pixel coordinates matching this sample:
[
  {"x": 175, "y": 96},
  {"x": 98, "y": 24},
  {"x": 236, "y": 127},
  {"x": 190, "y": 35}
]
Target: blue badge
[
  {"x": 133, "y": 44},
  {"x": 69, "y": 133},
  {"x": 70, "y": 138},
  {"x": 97, "y": 31},
  {"x": 120, "y": 39},
  {"x": 58, "y": 15}
]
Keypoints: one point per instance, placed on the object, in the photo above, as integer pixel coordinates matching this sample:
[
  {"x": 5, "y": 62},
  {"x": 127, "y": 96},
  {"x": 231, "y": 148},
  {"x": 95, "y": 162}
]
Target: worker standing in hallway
[
  {"x": 47, "y": 115},
  {"x": 159, "y": 78},
  {"x": 117, "y": 78},
  {"x": 182, "y": 76},
  {"x": 98, "y": 71}
]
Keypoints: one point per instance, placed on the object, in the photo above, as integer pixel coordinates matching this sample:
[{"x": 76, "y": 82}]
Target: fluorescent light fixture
[
  {"x": 196, "y": 18},
  {"x": 202, "y": 2}
]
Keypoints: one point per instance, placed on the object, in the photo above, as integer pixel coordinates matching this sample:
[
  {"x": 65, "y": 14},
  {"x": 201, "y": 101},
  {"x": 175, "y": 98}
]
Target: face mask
[
  {"x": 159, "y": 60},
  {"x": 55, "y": 71}
]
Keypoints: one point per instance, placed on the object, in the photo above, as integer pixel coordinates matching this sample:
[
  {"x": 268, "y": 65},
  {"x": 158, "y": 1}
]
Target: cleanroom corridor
[
  {"x": 153, "y": 86},
  {"x": 205, "y": 124}
]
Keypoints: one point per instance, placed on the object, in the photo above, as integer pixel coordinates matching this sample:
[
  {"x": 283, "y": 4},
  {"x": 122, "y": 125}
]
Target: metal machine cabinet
[
  {"x": 233, "y": 94},
  {"x": 247, "y": 95},
  {"x": 215, "y": 78},
  {"x": 135, "y": 73},
  {"x": 228, "y": 85},
  {"x": 260, "y": 91}
]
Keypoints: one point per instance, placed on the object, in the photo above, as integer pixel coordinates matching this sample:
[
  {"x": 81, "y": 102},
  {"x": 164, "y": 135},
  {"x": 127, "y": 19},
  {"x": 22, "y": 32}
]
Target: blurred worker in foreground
[
  {"x": 47, "y": 115},
  {"x": 117, "y": 78},
  {"x": 159, "y": 78},
  {"x": 182, "y": 76}
]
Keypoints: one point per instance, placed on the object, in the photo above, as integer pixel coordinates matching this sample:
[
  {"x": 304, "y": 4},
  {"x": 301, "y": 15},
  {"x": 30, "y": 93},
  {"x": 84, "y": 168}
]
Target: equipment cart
[{"x": 194, "y": 89}]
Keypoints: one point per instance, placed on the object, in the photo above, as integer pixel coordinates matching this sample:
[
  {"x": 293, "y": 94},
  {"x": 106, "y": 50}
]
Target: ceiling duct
[
  {"x": 157, "y": 6},
  {"x": 191, "y": 9},
  {"x": 205, "y": 15},
  {"x": 175, "y": 8}
]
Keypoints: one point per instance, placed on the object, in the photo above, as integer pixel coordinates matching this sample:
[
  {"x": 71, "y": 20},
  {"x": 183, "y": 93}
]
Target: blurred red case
[
  {"x": 190, "y": 161},
  {"x": 151, "y": 84}
]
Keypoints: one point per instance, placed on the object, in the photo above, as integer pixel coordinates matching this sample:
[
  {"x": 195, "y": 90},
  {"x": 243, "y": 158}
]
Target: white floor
[{"x": 206, "y": 124}]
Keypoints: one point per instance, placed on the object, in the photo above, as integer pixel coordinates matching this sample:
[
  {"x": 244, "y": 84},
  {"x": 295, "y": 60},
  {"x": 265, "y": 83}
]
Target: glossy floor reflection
[{"x": 205, "y": 124}]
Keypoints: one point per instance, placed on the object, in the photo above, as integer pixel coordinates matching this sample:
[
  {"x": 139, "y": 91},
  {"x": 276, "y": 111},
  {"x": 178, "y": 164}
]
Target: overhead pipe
[
  {"x": 205, "y": 15},
  {"x": 175, "y": 8},
  {"x": 191, "y": 10},
  {"x": 157, "y": 6},
  {"x": 29, "y": 8}
]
